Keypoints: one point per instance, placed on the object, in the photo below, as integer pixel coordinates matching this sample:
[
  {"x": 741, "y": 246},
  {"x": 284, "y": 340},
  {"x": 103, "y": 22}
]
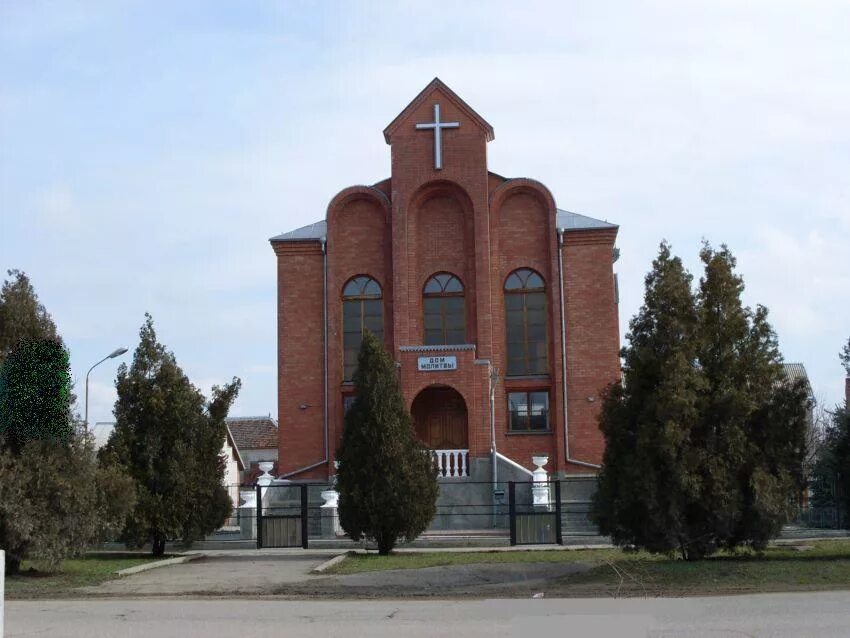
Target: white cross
[{"x": 438, "y": 126}]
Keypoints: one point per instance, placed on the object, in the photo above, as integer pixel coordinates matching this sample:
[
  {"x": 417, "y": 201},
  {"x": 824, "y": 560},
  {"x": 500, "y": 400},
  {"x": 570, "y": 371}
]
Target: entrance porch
[{"x": 440, "y": 418}]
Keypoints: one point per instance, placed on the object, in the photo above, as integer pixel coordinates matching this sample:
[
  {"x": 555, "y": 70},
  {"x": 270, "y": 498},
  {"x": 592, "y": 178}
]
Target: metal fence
[
  {"x": 519, "y": 513},
  {"x": 821, "y": 504},
  {"x": 293, "y": 514}
]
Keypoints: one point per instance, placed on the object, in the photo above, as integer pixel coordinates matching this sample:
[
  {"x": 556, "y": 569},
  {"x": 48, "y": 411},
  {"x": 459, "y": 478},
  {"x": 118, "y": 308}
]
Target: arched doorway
[
  {"x": 439, "y": 413},
  {"x": 439, "y": 416}
]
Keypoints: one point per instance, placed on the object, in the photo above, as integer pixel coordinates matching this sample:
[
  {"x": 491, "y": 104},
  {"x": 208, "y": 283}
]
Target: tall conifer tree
[
  {"x": 650, "y": 476},
  {"x": 753, "y": 421},
  {"x": 170, "y": 442},
  {"x": 55, "y": 500},
  {"x": 705, "y": 439},
  {"x": 387, "y": 482}
]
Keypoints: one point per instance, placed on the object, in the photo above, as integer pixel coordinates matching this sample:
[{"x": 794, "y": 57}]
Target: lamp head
[{"x": 117, "y": 353}]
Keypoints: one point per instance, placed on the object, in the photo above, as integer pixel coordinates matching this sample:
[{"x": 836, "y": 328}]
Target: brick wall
[
  {"x": 300, "y": 355},
  {"x": 592, "y": 335},
  {"x": 479, "y": 226}
]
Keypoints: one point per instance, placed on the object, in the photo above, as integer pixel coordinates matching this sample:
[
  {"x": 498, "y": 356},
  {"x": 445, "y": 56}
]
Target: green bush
[{"x": 56, "y": 501}]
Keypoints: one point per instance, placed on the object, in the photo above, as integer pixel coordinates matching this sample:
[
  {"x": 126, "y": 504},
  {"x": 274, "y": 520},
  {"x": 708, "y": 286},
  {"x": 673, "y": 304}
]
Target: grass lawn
[
  {"x": 820, "y": 565},
  {"x": 354, "y": 563},
  {"x": 38, "y": 581}
]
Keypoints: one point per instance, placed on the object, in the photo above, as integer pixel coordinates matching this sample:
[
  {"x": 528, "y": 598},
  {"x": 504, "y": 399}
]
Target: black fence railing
[
  {"x": 821, "y": 504},
  {"x": 519, "y": 513}
]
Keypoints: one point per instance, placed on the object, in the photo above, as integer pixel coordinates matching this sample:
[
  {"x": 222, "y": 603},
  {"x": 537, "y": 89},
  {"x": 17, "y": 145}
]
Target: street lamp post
[{"x": 111, "y": 355}]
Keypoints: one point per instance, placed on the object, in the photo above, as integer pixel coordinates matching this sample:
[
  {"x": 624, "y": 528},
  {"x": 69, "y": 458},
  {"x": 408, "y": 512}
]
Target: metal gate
[
  {"x": 535, "y": 524},
  {"x": 282, "y": 516}
]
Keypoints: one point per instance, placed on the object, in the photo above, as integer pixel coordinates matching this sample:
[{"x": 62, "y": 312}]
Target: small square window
[{"x": 528, "y": 411}]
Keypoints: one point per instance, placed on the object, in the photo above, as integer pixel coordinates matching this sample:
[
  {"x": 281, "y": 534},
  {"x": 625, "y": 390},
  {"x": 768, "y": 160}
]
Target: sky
[{"x": 148, "y": 150}]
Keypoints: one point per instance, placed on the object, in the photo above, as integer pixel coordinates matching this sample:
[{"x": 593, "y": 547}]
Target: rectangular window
[{"x": 528, "y": 411}]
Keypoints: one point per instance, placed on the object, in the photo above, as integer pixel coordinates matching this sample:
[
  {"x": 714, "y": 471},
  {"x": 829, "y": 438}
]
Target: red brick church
[{"x": 499, "y": 308}]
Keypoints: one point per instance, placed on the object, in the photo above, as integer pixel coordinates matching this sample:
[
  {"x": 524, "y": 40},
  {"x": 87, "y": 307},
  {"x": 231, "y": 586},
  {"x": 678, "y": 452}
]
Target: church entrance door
[{"x": 439, "y": 413}]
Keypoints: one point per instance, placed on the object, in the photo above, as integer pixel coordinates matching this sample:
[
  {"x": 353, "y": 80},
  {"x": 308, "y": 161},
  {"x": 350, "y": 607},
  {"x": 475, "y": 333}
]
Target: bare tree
[{"x": 819, "y": 419}]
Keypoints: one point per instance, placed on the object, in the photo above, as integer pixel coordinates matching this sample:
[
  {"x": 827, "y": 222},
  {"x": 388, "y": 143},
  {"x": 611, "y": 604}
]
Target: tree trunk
[
  {"x": 158, "y": 547},
  {"x": 385, "y": 544},
  {"x": 13, "y": 565}
]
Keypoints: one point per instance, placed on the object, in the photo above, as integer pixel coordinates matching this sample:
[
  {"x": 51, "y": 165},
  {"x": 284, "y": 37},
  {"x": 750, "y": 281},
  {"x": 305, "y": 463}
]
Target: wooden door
[{"x": 440, "y": 418}]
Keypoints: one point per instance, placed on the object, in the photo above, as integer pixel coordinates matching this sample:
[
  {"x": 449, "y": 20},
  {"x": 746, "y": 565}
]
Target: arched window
[
  {"x": 444, "y": 310},
  {"x": 525, "y": 318},
  {"x": 361, "y": 310}
]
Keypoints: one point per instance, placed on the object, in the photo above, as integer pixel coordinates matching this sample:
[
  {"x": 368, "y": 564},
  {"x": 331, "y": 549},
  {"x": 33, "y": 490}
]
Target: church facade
[{"x": 499, "y": 308}]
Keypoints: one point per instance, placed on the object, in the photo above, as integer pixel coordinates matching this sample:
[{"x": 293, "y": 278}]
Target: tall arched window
[
  {"x": 361, "y": 310},
  {"x": 525, "y": 318},
  {"x": 444, "y": 310}
]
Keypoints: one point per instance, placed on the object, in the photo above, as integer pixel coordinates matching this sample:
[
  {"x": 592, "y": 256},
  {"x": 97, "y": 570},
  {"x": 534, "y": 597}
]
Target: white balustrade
[{"x": 451, "y": 463}]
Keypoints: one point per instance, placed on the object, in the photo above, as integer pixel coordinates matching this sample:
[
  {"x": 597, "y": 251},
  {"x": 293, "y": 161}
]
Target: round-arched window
[
  {"x": 362, "y": 309},
  {"x": 444, "y": 311},
  {"x": 525, "y": 323}
]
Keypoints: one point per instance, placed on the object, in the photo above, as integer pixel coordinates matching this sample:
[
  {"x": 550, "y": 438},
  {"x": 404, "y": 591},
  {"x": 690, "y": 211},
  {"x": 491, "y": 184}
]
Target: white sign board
[{"x": 437, "y": 363}]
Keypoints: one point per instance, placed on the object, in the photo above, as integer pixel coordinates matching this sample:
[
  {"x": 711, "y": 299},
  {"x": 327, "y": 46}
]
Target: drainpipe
[
  {"x": 324, "y": 461},
  {"x": 564, "y": 356},
  {"x": 494, "y": 378}
]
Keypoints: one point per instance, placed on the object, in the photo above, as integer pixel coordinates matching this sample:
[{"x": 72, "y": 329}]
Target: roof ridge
[{"x": 566, "y": 220}]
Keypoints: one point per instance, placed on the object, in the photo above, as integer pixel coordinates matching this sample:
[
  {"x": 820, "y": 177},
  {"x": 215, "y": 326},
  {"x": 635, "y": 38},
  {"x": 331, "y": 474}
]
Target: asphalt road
[{"x": 821, "y": 614}]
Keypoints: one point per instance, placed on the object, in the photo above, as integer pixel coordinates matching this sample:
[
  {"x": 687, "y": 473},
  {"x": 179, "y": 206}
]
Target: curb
[
  {"x": 177, "y": 560},
  {"x": 321, "y": 569}
]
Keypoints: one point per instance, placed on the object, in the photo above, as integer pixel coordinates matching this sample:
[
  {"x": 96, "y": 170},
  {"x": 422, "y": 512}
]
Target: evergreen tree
[
  {"x": 21, "y": 314},
  {"x": 55, "y": 499},
  {"x": 650, "y": 482},
  {"x": 705, "y": 440},
  {"x": 169, "y": 440},
  {"x": 386, "y": 479},
  {"x": 753, "y": 421},
  {"x": 35, "y": 393},
  {"x": 844, "y": 356}
]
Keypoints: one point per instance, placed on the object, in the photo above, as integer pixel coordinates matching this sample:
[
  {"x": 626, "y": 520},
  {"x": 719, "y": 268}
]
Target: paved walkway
[
  {"x": 223, "y": 572},
  {"x": 821, "y": 614}
]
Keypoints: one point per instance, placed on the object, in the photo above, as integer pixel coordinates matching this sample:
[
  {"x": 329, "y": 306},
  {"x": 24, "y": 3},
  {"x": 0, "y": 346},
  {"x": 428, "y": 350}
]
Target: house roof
[
  {"x": 232, "y": 443},
  {"x": 565, "y": 220},
  {"x": 253, "y": 432}
]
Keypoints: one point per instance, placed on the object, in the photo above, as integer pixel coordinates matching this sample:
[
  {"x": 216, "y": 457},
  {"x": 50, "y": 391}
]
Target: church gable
[{"x": 421, "y": 108}]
